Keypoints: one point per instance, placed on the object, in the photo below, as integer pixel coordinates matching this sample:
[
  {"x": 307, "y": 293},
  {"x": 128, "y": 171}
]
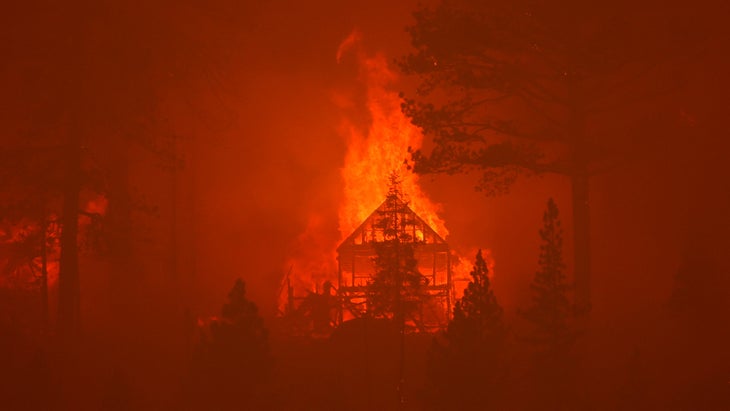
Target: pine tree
[
  {"x": 230, "y": 366},
  {"x": 477, "y": 315},
  {"x": 503, "y": 83},
  {"x": 465, "y": 364},
  {"x": 393, "y": 292},
  {"x": 551, "y": 311},
  {"x": 552, "y": 317}
]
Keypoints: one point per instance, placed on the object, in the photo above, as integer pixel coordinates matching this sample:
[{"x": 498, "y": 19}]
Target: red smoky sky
[{"x": 250, "y": 89}]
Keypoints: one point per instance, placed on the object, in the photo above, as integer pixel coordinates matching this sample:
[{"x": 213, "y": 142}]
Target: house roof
[{"x": 429, "y": 235}]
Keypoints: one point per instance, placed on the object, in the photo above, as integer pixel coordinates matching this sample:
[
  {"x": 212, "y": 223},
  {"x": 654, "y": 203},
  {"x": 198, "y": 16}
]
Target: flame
[
  {"x": 462, "y": 267},
  {"x": 373, "y": 153},
  {"x": 313, "y": 258},
  {"x": 372, "y": 158},
  {"x": 97, "y": 205},
  {"x": 20, "y": 246},
  {"x": 20, "y": 254},
  {"x": 348, "y": 43}
]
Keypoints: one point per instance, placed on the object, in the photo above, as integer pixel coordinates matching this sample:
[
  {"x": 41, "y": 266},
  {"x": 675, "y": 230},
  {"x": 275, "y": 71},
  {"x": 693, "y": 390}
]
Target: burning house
[
  {"x": 381, "y": 247},
  {"x": 326, "y": 283},
  {"x": 394, "y": 265}
]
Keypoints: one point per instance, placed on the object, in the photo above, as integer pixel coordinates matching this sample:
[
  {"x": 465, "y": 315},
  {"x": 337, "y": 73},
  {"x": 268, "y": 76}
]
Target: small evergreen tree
[
  {"x": 551, "y": 310},
  {"x": 551, "y": 316},
  {"x": 465, "y": 364},
  {"x": 477, "y": 315},
  {"x": 230, "y": 366}
]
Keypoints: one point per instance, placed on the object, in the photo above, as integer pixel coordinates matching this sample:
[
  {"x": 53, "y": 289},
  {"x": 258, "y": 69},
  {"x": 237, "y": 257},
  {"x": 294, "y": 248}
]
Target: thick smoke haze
[{"x": 223, "y": 122}]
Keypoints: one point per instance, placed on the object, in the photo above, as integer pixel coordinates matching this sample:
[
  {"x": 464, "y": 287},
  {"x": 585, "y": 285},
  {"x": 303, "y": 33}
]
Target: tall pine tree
[
  {"x": 551, "y": 311},
  {"x": 465, "y": 365},
  {"x": 396, "y": 286},
  {"x": 552, "y": 318}
]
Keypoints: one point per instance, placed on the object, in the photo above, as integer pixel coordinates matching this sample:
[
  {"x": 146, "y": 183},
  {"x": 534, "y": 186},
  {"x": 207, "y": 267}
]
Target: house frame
[{"x": 355, "y": 262}]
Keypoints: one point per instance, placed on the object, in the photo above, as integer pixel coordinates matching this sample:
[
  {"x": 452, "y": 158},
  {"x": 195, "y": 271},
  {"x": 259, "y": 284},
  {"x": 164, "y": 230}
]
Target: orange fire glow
[
  {"x": 21, "y": 257},
  {"x": 463, "y": 265},
  {"x": 372, "y": 158},
  {"x": 373, "y": 154}
]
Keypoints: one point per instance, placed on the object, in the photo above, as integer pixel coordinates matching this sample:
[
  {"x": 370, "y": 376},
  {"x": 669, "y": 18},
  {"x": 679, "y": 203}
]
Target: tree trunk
[
  {"x": 581, "y": 239},
  {"x": 44, "y": 275},
  {"x": 580, "y": 198},
  {"x": 69, "y": 293},
  {"x": 124, "y": 274}
]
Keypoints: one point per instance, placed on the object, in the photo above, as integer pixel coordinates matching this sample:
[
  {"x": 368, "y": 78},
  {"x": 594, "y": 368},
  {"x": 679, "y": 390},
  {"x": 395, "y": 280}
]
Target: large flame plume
[
  {"x": 373, "y": 154},
  {"x": 372, "y": 157}
]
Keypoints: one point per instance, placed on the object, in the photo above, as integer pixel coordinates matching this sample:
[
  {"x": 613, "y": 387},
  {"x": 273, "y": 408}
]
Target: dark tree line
[
  {"x": 552, "y": 317},
  {"x": 467, "y": 367},
  {"x": 469, "y": 364},
  {"x": 85, "y": 91}
]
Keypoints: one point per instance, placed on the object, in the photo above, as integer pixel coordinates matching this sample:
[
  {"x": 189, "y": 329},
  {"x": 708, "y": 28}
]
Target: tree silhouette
[
  {"x": 477, "y": 315},
  {"x": 80, "y": 94},
  {"x": 230, "y": 365},
  {"x": 551, "y": 311},
  {"x": 397, "y": 284},
  {"x": 524, "y": 87},
  {"x": 552, "y": 316},
  {"x": 396, "y": 288},
  {"x": 393, "y": 290},
  {"x": 465, "y": 364}
]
